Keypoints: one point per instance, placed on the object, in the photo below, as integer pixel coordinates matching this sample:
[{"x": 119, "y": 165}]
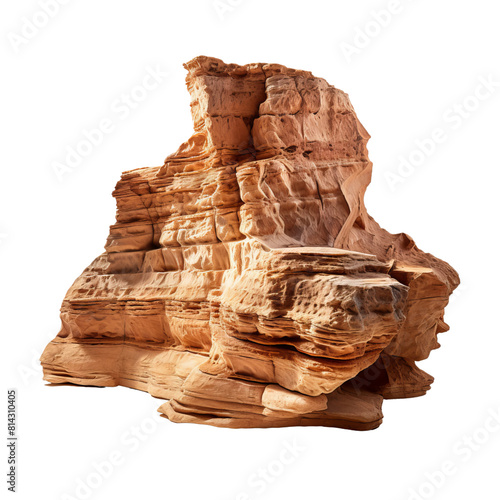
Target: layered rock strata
[{"x": 243, "y": 281}]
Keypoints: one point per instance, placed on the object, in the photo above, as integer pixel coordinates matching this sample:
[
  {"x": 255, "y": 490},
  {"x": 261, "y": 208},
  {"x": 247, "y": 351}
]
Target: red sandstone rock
[{"x": 244, "y": 281}]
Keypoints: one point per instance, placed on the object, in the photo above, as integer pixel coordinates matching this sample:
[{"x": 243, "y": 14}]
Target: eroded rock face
[{"x": 244, "y": 281}]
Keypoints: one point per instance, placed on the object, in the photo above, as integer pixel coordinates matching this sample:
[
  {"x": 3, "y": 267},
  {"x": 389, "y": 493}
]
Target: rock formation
[{"x": 244, "y": 281}]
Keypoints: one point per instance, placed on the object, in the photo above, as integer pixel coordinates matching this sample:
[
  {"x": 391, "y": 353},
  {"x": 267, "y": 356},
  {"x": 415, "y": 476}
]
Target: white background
[{"x": 62, "y": 81}]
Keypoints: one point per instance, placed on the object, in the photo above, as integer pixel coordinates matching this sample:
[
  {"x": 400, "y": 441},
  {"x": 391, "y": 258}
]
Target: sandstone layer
[{"x": 243, "y": 281}]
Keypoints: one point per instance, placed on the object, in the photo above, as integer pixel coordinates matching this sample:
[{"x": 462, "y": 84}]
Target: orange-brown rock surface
[{"x": 244, "y": 281}]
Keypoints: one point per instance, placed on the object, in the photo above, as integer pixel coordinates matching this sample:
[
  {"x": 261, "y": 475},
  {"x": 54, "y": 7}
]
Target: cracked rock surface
[{"x": 243, "y": 281}]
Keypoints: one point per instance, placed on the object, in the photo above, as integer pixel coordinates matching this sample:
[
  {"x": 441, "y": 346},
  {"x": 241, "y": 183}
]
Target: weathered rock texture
[{"x": 244, "y": 281}]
